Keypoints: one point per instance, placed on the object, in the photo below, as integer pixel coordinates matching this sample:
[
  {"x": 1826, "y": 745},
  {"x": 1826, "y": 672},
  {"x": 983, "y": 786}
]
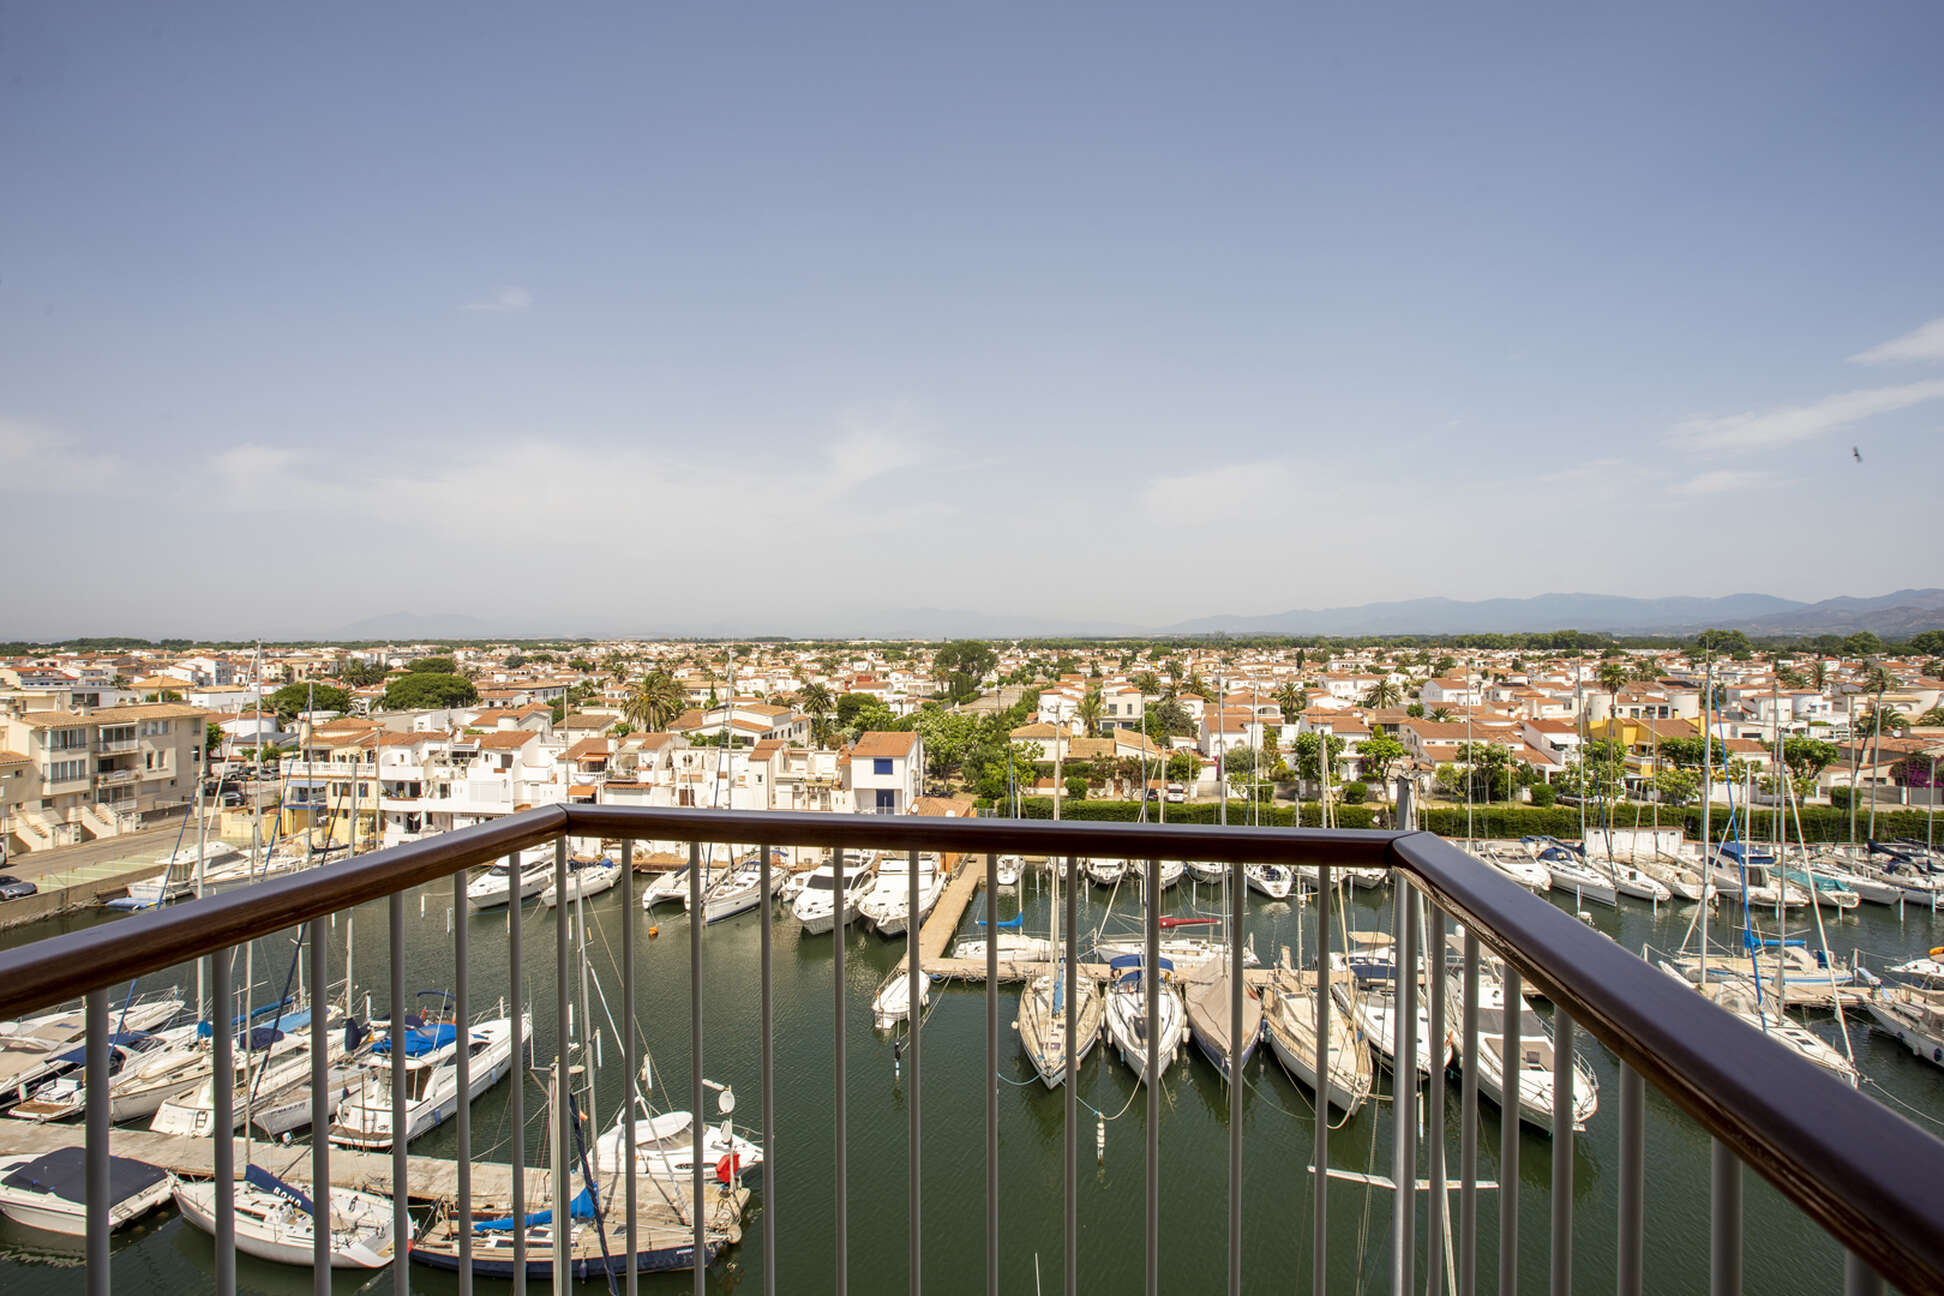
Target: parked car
[
  {"x": 12, "y": 888},
  {"x": 1176, "y": 794}
]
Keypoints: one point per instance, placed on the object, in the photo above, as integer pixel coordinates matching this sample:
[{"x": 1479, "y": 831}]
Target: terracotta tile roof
[{"x": 879, "y": 743}]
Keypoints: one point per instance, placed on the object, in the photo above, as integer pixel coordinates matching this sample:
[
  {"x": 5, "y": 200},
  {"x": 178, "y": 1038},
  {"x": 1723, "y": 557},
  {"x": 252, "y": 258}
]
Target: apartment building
[
  {"x": 886, "y": 772},
  {"x": 93, "y": 774}
]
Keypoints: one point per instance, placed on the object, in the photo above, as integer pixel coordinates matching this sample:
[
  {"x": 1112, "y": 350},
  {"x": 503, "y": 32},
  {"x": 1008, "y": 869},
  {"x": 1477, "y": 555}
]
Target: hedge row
[{"x": 1819, "y": 823}]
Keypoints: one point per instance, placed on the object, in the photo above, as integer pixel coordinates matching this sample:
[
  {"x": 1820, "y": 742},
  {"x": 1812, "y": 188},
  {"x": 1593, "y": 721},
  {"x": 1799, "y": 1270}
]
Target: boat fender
[{"x": 653, "y": 932}]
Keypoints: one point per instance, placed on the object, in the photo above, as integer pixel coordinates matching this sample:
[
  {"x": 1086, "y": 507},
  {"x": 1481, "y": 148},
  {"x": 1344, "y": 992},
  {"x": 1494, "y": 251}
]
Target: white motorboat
[
  {"x": 892, "y": 1002},
  {"x": 364, "y": 1114},
  {"x": 1014, "y": 947},
  {"x": 1042, "y": 1023},
  {"x": 1913, "y": 1016},
  {"x": 276, "y": 1222},
  {"x": 888, "y": 905},
  {"x": 50, "y": 1191},
  {"x": 665, "y": 1147},
  {"x": 1632, "y": 880},
  {"x": 1534, "y": 1065},
  {"x": 36, "y": 1049},
  {"x": 737, "y": 893},
  {"x": 673, "y": 887},
  {"x": 816, "y": 906},
  {"x": 66, "y": 1095},
  {"x": 1289, "y": 1024},
  {"x": 495, "y": 886},
  {"x": 585, "y": 879},
  {"x": 1272, "y": 880},
  {"x": 1528, "y": 873},
  {"x": 1575, "y": 877},
  {"x": 1009, "y": 868},
  {"x": 1126, "y": 1017}
]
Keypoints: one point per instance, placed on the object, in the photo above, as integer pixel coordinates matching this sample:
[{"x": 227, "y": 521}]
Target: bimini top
[
  {"x": 63, "y": 1173},
  {"x": 1132, "y": 964}
]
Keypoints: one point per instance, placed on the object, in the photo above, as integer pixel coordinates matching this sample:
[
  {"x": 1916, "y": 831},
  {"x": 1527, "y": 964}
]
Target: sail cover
[
  {"x": 425, "y": 1039},
  {"x": 258, "y": 1177}
]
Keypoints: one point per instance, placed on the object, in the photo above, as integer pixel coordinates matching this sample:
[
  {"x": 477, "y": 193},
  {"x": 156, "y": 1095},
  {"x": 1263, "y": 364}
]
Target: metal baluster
[
  {"x": 1237, "y": 884},
  {"x": 1320, "y": 1239},
  {"x": 840, "y": 1163},
  {"x": 1434, "y": 1125},
  {"x": 320, "y": 1111},
  {"x": 1858, "y": 1278},
  {"x": 401, "y": 1168},
  {"x": 1509, "y": 1088},
  {"x": 1562, "y": 1155},
  {"x": 992, "y": 1077},
  {"x": 698, "y": 918},
  {"x": 1725, "y": 1223},
  {"x": 462, "y": 1062},
  {"x": 1072, "y": 1074},
  {"x": 563, "y": 1067},
  {"x": 95, "y": 1059},
  {"x": 516, "y": 1100},
  {"x": 222, "y": 1069},
  {"x": 1404, "y": 1088},
  {"x": 769, "y": 1097},
  {"x": 1150, "y": 980},
  {"x": 1633, "y": 1180},
  {"x": 914, "y": 1017},
  {"x": 629, "y": 1062},
  {"x": 1468, "y": 1137}
]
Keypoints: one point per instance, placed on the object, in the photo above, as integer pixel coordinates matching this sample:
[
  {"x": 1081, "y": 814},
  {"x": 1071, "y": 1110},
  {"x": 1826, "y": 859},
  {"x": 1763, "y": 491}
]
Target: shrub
[
  {"x": 1355, "y": 793},
  {"x": 1543, "y": 794}
]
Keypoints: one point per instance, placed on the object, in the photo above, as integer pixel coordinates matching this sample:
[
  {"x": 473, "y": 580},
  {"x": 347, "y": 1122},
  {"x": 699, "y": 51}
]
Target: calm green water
[{"x": 1783, "y": 1252}]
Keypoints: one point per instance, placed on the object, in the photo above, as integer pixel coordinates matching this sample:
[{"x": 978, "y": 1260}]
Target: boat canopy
[
  {"x": 63, "y": 1173},
  {"x": 423, "y": 1040},
  {"x": 119, "y": 1039},
  {"x": 1016, "y": 921},
  {"x": 259, "y": 1177}
]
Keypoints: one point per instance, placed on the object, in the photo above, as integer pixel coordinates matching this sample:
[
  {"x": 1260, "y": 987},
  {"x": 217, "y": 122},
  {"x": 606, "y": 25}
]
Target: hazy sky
[{"x": 654, "y": 317}]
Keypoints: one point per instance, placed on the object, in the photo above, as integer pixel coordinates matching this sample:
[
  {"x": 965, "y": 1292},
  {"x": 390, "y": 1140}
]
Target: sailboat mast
[{"x": 1707, "y": 805}]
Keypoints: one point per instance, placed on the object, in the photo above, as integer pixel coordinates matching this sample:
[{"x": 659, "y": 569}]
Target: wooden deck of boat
[{"x": 430, "y": 1178}]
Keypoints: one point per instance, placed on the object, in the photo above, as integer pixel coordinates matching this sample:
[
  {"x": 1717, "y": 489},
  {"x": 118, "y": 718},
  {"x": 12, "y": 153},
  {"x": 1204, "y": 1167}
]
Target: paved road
[{"x": 146, "y": 844}]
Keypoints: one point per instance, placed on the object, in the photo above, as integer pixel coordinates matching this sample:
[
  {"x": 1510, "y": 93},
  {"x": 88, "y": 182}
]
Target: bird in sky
[{"x": 1856, "y": 454}]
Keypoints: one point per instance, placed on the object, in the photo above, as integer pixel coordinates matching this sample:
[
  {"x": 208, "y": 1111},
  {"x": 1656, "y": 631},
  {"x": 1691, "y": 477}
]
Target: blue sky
[{"x": 783, "y": 316}]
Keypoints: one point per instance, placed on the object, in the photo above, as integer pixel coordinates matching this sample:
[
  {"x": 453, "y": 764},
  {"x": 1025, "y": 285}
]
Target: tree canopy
[
  {"x": 293, "y": 700},
  {"x": 424, "y": 690}
]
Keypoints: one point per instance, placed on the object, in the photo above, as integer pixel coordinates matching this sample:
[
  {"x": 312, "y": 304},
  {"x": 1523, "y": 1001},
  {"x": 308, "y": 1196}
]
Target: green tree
[
  {"x": 1380, "y": 754},
  {"x": 362, "y": 674},
  {"x": 1931, "y": 719},
  {"x": 950, "y": 739},
  {"x": 1862, "y": 644},
  {"x": 1730, "y": 642},
  {"x": 1807, "y": 758},
  {"x": 1148, "y": 683},
  {"x": 1676, "y": 786},
  {"x": 293, "y": 700},
  {"x": 964, "y": 664},
  {"x": 1613, "y": 677},
  {"x": 655, "y": 700},
  {"x": 422, "y": 690},
  {"x": 1089, "y": 711},
  {"x": 816, "y": 702},
  {"x": 1166, "y": 719},
  {"x": 1382, "y": 694},
  {"x": 859, "y": 713},
  {"x": 432, "y": 666}
]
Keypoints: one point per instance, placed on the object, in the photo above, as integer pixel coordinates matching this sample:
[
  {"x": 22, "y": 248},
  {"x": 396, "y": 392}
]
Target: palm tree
[
  {"x": 1819, "y": 674},
  {"x": 1645, "y": 670},
  {"x": 817, "y": 704},
  {"x": 1291, "y": 699},
  {"x": 1877, "y": 680},
  {"x": 1383, "y": 694},
  {"x": 654, "y": 701},
  {"x": 1148, "y": 682},
  {"x": 1613, "y": 677},
  {"x": 1439, "y": 714},
  {"x": 1089, "y": 712}
]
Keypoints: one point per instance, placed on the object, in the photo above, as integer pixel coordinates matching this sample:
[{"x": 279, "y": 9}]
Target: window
[
  {"x": 881, "y": 765},
  {"x": 67, "y": 739},
  {"x": 67, "y": 771}
]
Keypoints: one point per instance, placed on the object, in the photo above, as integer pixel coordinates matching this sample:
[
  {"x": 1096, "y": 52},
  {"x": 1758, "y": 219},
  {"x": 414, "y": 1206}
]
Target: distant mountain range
[{"x": 1892, "y": 615}]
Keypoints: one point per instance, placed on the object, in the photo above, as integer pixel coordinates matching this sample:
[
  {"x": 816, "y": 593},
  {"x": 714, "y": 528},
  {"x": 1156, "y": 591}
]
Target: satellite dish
[{"x": 726, "y": 1100}]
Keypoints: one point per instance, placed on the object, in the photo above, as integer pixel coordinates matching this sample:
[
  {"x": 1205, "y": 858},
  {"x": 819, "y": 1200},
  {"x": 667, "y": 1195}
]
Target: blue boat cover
[
  {"x": 582, "y": 1207},
  {"x": 259, "y": 1177},
  {"x": 426, "y": 1039},
  {"x": 79, "y": 1057},
  {"x": 1017, "y": 920}
]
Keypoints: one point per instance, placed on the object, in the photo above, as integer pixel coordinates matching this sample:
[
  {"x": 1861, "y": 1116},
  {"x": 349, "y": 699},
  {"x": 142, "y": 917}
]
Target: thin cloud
[
  {"x": 1725, "y": 481},
  {"x": 1788, "y": 424},
  {"x": 1229, "y": 491},
  {"x": 510, "y": 300},
  {"x": 1921, "y": 344}
]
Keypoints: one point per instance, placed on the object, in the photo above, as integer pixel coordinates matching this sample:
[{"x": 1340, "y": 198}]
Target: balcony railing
[{"x": 1857, "y": 1170}]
